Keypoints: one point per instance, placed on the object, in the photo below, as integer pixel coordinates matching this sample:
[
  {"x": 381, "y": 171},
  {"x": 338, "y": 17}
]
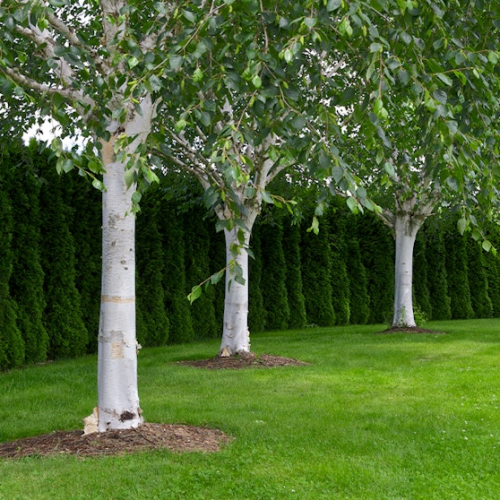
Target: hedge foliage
[{"x": 50, "y": 258}]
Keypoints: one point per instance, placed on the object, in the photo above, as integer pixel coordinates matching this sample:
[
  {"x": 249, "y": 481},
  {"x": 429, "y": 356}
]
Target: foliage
[
  {"x": 197, "y": 243},
  {"x": 174, "y": 277},
  {"x": 458, "y": 280},
  {"x": 359, "y": 298},
  {"x": 293, "y": 262},
  {"x": 62, "y": 315},
  {"x": 273, "y": 278},
  {"x": 26, "y": 281},
  {"x": 339, "y": 275},
  {"x": 257, "y": 314},
  {"x": 153, "y": 326},
  {"x": 11, "y": 341},
  {"x": 377, "y": 250},
  {"x": 421, "y": 278},
  {"x": 316, "y": 276},
  {"x": 478, "y": 281}
]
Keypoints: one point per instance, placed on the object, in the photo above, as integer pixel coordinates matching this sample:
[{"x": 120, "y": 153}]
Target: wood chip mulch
[
  {"x": 149, "y": 436},
  {"x": 239, "y": 362},
  {"x": 407, "y": 329}
]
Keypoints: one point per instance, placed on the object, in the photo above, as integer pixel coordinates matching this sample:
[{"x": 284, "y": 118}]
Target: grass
[{"x": 372, "y": 417}]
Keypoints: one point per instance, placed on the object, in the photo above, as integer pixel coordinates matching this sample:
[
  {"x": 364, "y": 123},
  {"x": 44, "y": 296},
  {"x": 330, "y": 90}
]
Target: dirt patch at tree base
[
  {"x": 410, "y": 329},
  {"x": 149, "y": 436},
  {"x": 239, "y": 362}
]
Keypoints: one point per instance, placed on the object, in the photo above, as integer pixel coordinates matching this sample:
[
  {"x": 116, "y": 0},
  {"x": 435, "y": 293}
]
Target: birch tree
[
  {"x": 419, "y": 117},
  {"x": 249, "y": 119},
  {"x": 86, "y": 65}
]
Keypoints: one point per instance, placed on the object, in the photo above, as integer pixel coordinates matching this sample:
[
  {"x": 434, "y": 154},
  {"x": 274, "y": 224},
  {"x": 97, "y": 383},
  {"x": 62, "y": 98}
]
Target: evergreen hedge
[{"x": 50, "y": 245}]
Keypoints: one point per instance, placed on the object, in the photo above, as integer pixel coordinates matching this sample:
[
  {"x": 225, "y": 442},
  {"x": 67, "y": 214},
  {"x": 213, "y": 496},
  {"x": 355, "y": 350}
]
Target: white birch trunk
[
  {"x": 405, "y": 233},
  {"x": 235, "y": 334},
  {"x": 406, "y": 223},
  {"x": 118, "y": 398}
]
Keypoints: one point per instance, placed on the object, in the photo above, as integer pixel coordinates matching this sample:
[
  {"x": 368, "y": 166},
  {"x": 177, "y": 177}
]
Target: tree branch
[{"x": 25, "y": 81}]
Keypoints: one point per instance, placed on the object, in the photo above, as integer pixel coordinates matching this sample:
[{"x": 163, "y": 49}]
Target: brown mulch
[
  {"x": 149, "y": 436},
  {"x": 407, "y": 329},
  {"x": 239, "y": 362}
]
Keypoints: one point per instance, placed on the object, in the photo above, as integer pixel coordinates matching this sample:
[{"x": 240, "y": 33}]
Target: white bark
[
  {"x": 405, "y": 223},
  {"x": 118, "y": 398},
  {"x": 405, "y": 233},
  {"x": 235, "y": 333}
]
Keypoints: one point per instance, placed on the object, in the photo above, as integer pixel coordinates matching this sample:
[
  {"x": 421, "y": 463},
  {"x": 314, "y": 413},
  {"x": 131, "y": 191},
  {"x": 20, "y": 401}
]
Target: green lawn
[{"x": 372, "y": 417}]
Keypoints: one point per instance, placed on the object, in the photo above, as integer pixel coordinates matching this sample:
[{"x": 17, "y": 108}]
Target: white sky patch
[{"x": 50, "y": 130}]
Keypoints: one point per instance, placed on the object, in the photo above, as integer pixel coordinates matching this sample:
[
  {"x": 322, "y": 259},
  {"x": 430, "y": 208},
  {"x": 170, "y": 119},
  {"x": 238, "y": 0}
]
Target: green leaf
[
  {"x": 98, "y": 184},
  {"x": 195, "y": 293},
  {"x": 314, "y": 226},
  {"x": 333, "y": 5},
  {"x": 155, "y": 82},
  {"x": 176, "y": 62},
  {"x": 486, "y": 245},
  {"x": 298, "y": 123},
  {"x": 133, "y": 62},
  {"x": 310, "y": 22},
  {"x": 337, "y": 174},
  {"x": 353, "y": 205},
  {"x": 189, "y": 16},
  {"x": 136, "y": 197},
  {"x": 257, "y": 82},
  {"x": 445, "y": 79},
  {"x": 130, "y": 177},
  {"x": 462, "y": 225},
  {"x": 216, "y": 277},
  {"x": 493, "y": 57},
  {"x": 375, "y": 47},
  {"x": 453, "y": 183},
  {"x": 197, "y": 75},
  {"x": 440, "y": 96},
  {"x": 267, "y": 198}
]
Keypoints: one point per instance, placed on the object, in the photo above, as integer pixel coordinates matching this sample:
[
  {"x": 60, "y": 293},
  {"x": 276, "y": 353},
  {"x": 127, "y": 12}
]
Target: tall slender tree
[
  {"x": 26, "y": 281},
  {"x": 11, "y": 340}
]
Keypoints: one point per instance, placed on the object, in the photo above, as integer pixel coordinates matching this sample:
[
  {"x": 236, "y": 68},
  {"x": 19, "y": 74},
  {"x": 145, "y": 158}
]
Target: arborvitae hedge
[
  {"x": 197, "y": 245},
  {"x": 346, "y": 273},
  {"x": 339, "y": 276},
  {"x": 217, "y": 258},
  {"x": 377, "y": 253},
  {"x": 478, "y": 281},
  {"x": 152, "y": 322},
  {"x": 257, "y": 314},
  {"x": 26, "y": 282},
  {"x": 174, "y": 277},
  {"x": 421, "y": 293},
  {"x": 359, "y": 299},
  {"x": 456, "y": 270},
  {"x": 296, "y": 301},
  {"x": 11, "y": 341},
  {"x": 492, "y": 264},
  {"x": 62, "y": 316},
  {"x": 273, "y": 279},
  {"x": 316, "y": 275},
  {"x": 87, "y": 237}
]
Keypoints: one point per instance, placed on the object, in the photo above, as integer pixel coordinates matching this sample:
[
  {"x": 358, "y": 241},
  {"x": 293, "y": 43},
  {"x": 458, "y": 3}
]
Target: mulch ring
[
  {"x": 408, "y": 329},
  {"x": 239, "y": 362},
  {"x": 149, "y": 436}
]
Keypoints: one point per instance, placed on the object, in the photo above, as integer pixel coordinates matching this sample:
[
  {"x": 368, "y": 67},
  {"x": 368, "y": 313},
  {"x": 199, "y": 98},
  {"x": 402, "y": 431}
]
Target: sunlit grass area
[{"x": 370, "y": 417}]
